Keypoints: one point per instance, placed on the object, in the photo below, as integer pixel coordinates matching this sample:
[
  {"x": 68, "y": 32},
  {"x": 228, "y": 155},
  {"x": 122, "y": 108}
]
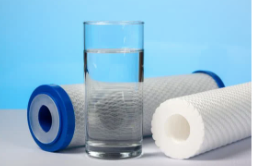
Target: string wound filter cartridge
[
  {"x": 187, "y": 126},
  {"x": 56, "y": 114}
]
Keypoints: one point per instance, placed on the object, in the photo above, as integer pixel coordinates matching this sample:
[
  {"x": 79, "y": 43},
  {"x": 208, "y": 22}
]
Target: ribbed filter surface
[
  {"x": 114, "y": 112},
  {"x": 158, "y": 90},
  {"x": 187, "y": 126},
  {"x": 155, "y": 91},
  {"x": 76, "y": 92}
]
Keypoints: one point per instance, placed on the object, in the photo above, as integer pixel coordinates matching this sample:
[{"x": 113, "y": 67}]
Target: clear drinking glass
[{"x": 113, "y": 66}]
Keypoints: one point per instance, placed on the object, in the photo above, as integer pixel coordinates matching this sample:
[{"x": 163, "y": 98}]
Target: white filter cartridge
[
  {"x": 56, "y": 114},
  {"x": 190, "y": 125}
]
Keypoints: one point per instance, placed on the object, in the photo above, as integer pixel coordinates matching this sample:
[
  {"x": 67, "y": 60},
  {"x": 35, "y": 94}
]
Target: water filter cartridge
[
  {"x": 190, "y": 125},
  {"x": 56, "y": 114}
]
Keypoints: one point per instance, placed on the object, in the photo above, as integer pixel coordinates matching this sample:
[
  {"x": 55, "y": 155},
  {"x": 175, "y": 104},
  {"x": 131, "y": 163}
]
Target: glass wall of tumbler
[{"x": 113, "y": 66}]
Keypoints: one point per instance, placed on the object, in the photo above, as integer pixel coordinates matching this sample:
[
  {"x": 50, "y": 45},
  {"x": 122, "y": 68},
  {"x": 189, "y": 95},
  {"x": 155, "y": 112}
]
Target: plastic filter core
[
  {"x": 45, "y": 118},
  {"x": 177, "y": 128}
]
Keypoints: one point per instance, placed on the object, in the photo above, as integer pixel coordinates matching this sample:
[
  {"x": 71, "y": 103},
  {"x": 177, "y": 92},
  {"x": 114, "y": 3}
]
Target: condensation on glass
[{"x": 113, "y": 67}]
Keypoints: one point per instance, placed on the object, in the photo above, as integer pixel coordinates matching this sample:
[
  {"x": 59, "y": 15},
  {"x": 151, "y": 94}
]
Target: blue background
[{"x": 42, "y": 41}]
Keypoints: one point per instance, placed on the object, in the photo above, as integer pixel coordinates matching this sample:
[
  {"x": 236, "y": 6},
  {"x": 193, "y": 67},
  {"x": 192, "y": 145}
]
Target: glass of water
[{"x": 113, "y": 66}]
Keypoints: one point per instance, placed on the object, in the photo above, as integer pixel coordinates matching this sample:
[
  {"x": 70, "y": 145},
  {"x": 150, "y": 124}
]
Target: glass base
[{"x": 114, "y": 153}]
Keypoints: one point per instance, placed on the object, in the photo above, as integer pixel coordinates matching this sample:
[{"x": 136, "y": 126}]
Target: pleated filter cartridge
[
  {"x": 190, "y": 125},
  {"x": 56, "y": 114}
]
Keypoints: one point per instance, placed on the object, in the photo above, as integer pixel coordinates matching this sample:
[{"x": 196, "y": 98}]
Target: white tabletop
[{"x": 18, "y": 148}]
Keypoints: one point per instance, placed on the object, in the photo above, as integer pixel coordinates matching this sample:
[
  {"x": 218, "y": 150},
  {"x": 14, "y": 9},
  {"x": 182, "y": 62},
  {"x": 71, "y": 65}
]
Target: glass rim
[{"x": 114, "y": 22}]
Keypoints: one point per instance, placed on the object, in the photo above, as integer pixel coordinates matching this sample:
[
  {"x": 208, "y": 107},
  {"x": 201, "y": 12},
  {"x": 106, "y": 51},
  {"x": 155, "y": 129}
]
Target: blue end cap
[
  {"x": 66, "y": 113},
  {"x": 214, "y": 76}
]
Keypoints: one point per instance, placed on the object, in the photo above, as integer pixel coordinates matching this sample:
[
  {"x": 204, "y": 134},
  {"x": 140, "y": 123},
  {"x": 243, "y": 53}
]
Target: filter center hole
[
  {"x": 177, "y": 128},
  {"x": 45, "y": 118}
]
